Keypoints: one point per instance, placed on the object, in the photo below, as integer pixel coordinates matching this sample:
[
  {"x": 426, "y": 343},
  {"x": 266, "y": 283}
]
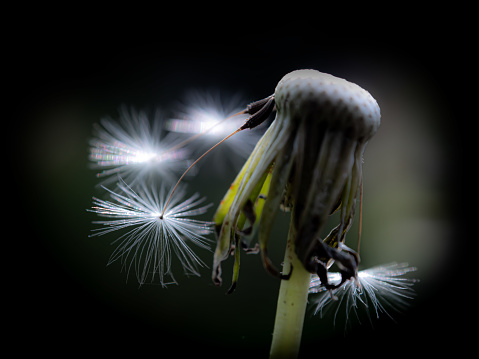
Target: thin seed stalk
[{"x": 292, "y": 301}]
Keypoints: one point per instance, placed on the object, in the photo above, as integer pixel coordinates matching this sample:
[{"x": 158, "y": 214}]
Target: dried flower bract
[{"x": 310, "y": 160}]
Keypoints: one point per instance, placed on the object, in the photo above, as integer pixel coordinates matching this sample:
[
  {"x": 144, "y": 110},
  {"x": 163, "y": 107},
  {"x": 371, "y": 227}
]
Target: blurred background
[{"x": 68, "y": 294}]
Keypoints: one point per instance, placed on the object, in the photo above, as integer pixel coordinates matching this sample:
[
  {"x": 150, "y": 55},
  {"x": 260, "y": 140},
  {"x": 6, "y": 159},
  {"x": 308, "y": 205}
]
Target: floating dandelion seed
[
  {"x": 205, "y": 113},
  {"x": 150, "y": 236},
  {"x": 132, "y": 149},
  {"x": 376, "y": 290}
]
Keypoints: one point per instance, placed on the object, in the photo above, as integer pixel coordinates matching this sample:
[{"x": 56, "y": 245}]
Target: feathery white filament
[
  {"x": 205, "y": 113},
  {"x": 149, "y": 240},
  {"x": 132, "y": 148},
  {"x": 378, "y": 288}
]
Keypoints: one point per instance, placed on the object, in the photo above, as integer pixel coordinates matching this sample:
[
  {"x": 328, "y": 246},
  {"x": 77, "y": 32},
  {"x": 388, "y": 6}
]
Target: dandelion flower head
[{"x": 309, "y": 160}]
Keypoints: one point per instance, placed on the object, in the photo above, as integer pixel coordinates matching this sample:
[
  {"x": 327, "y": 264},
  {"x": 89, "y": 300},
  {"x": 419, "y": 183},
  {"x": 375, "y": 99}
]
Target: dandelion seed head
[
  {"x": 313, "y": 150},
  {"x": 149, "y": 240}
]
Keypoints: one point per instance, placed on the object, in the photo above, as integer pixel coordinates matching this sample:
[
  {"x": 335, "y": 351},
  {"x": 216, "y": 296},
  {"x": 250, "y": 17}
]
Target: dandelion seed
[
  {"x": 375, "y": 290},
  {"x": 132, "y": 148},
  {"x": 205, "y": 113},
  {"x": 151, "y": 238}
]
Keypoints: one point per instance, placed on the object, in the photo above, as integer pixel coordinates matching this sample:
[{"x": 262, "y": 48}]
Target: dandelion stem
[{"x": 292, "y": 300}]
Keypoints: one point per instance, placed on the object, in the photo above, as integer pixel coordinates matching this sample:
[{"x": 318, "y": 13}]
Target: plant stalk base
[{"x": 292, "y": 301}]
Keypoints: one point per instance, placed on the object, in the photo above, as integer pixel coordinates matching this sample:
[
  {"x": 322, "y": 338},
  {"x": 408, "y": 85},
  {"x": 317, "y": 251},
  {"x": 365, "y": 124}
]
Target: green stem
[{"x": 292, "y": 301}]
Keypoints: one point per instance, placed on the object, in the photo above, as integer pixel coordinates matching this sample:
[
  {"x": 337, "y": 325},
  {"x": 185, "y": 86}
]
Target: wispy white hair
[{"x": 375, "y": 290}]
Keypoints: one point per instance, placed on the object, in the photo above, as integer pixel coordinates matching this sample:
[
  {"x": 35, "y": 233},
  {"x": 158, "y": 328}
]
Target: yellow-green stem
[{"x": 292, "y": 301}]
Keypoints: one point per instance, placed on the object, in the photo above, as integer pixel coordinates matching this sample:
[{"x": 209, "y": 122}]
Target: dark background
[{"x": 63, "y": 292}]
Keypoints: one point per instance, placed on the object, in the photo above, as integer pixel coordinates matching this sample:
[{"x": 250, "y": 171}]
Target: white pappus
[
  {"x": 135, "y": 149},
  {"x": 150, "y": 238},
  {"x": 213, "y": 117},
  {"x": 376, "y": 290}
]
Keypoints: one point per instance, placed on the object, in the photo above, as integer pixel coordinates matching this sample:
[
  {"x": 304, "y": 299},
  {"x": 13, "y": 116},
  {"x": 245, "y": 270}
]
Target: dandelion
[
  {"x": 309, "y": 160},
  {"x": 150, "y": 237},
  {"x": 375, "y": 290},
  {"x": 132, "y": 149},
  {"x": 205, "y": 113}
]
